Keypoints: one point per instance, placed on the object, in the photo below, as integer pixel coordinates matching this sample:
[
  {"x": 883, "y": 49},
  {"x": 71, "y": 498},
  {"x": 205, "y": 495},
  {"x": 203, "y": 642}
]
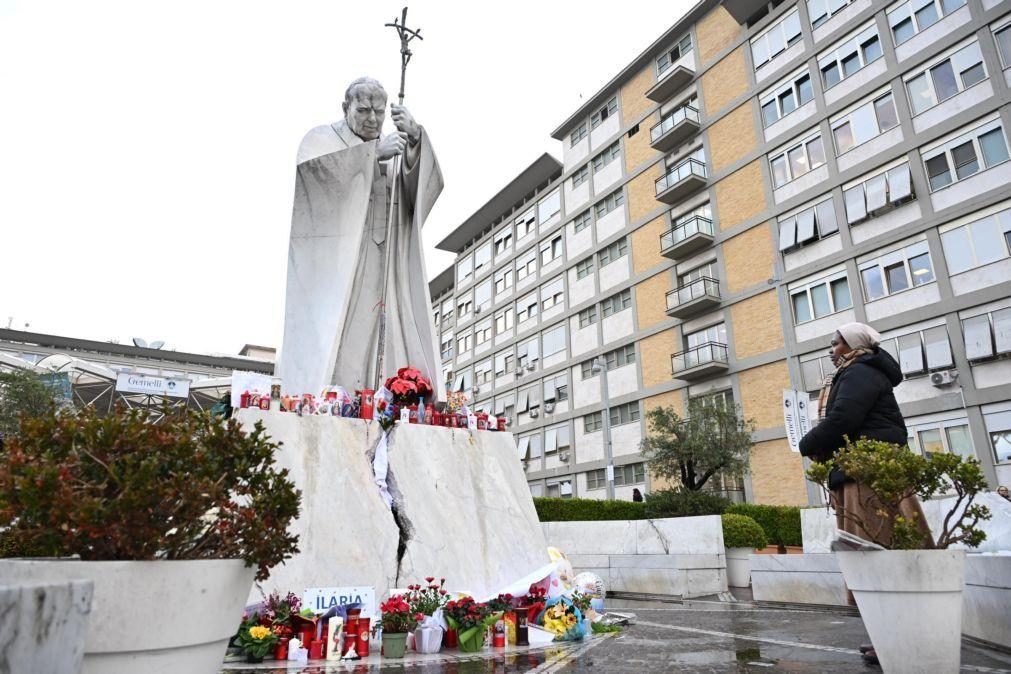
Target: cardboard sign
[{"x": 321, "y": 599}]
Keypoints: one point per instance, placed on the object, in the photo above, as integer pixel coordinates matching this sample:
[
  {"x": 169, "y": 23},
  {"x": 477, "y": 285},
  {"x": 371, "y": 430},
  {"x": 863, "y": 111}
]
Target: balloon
[{"x": 590, "y": 584}]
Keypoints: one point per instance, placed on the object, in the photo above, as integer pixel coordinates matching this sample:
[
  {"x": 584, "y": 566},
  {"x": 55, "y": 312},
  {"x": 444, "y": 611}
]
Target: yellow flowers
[{"x": 259, "y": 631}]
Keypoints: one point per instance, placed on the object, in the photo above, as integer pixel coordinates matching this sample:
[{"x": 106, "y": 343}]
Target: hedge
[
  {"x": 586, "y": 510},
  {"x": 780, "y": 523},
  {"x": 740, "y": 531},
  {"x": 684, "y": 503}
]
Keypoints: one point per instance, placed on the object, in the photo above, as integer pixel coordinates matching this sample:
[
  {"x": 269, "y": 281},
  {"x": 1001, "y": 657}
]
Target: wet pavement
[{"x": 698, "y": 636}]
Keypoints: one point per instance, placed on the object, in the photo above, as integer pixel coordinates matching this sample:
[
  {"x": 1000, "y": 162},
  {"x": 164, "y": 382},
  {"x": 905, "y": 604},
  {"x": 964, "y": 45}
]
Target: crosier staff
[{"x": 406, "y": 35}]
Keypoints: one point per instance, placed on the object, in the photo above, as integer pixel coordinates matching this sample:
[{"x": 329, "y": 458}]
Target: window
[
  {"x": 447, "y": 310},
  {"x": 551, "y": 250},
  {"x": 941, "y": 437},
  {"x": 633, "y": 473},
  {"x": 549, "y": 206},
  {"x": 850, "y": 56},
  {"x": 998, "y": 425},
  {"x": 965, "y": 155},
  {"x": 867, "y": 121},
  {"x": 796, "y": 160},
  {"x": 582, "y": 221},
  {"x": 597, "y": 118},
  {"x": 553, "y": 293},
  {"x": 625, "y": 414},
  {"x": 464, "y": 305},
  {"x": 592, "y": 422},
  {"x": 482, "y": 257},
  {"x": 482, "y": 372},
  {"x": 911, "y": 17},
  {"x": 586, "y": 369},
  {"x": 554, "y": 340},
  {"x": 528, "y": 353},
  {"x": 620, "y": 357},
  {"x": 777, "y": 39},
  {"x": 820, "y": 298},
  {"x": 813, "y": 372},
  {"x": 504, "y": 362},
  {"x": 446, "y": 346},
  {"x": 785, "y": 98},
  {"x": 723, "y": 399},
  {"x": 819, "y": 11},
  {"x": 609, "y": 203},
  {"x": 464, "y": 270},
  {"x": 482, "y": 294},
  {"x": 556, "y": 389},
  {"x": 464, "y": 381},
  {"x": 943, "y": 80},
  {"x": 987, "y": 335},
  {"x": 556, "y": 438},
  {"x": 578, "y": 134},
  {"x": 1002, "y": 36},
  {"x": 607, "y": 156},
  {"x": 878, "y": 194},
  {"x": 526, "y": 264},
  {"x": 525, "y": 224},
  {"x": 921, "y": 351},
  {"x": 588, "y": 316},
  {"x": 482, "y": 332},
  {"x": 713, "y": 334},
  {"x": 503, "y": 281},
  {"x": 977, "y": 243},
  {"x": 808, "y": 225},
  {"x": 669, "y": 58},
  {"x": 504, "y": 321},
  {"x": 616, "y": 303},
  {"x": 584, "y": 268},
  {"x": 580, "y": 176},
  {"x": 527, "y": 307},
  {"x": 613, "y": 252},
  {"x": 596, "y": 479},
  {"x": 899, "y": 270},
  {"x": 503, "y": 240},
  {"x": 465, "y": 343}
]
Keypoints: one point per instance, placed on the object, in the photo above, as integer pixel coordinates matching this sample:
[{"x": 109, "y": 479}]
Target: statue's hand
[
  {"x": 404, "y": 121},
  {"x": 392, "y": 145}
]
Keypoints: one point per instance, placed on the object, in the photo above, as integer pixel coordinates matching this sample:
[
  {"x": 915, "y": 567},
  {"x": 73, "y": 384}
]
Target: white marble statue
[{"x": 343, "y": 192}]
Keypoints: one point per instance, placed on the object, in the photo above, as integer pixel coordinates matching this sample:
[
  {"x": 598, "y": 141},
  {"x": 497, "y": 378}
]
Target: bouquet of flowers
[
  {"x": 278, "y": 613},
  {"x": 501, "y": 603},
  {"x": 455, "y": 401},
  {"x": 471, "y": 619},
  {"x": 257, "y": 641},
  {"x": 398, "y": 618},
  {"x": 535, "y": 602},
  {"x": 563, "y": 619},
  {"x": 409, "y": 386},
  {"x": 427, "y": 602}
]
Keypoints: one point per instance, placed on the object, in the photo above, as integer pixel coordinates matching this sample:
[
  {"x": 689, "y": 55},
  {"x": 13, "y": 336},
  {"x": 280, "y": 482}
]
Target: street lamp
[{"x": 600, "y": 367}]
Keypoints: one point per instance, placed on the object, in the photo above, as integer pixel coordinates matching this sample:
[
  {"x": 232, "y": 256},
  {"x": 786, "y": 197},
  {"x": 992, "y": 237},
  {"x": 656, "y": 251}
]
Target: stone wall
[{"x": 681, "y": 557}]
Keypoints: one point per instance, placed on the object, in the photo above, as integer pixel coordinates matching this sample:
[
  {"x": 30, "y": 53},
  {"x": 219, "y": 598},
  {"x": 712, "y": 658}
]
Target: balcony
[
  {"x": 693, "y": 297},
  {"x": 700, "y": 362},
  {"x": 681, "y": 181},
  {"x": 687, "y": 237},
  {"x": 678, "y": 126},
  {"x": 742, "y": 10},
  {"x": 673, "y": 80}
]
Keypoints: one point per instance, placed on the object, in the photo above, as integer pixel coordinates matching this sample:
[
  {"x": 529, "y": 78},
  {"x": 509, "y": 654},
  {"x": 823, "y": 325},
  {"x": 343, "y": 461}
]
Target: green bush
[
  {"x": 740, "y": 531},
  {"x": 586, "y": 510},
  {"x": 683, "y": 503},
  {"x": 780, "y": 523}
]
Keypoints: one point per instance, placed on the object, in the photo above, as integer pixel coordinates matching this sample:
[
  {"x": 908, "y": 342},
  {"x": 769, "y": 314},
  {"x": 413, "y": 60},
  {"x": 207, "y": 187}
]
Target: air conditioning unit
[
  {"x": 549, "y": 407},
  {"x": 476, "y": 390},
  {"x": 534, "y": 413},
  {"x": 530, "y": 367},
  {"x": 477, "y": 310},
  {"x": 944, "y": 378},
  {"x": 519, "y": 372},
  {"x": 563, "y": 457}
]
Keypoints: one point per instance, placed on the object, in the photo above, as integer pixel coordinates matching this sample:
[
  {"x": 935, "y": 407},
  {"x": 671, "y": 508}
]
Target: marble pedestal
[
  {"x": 44, "y": 625},
  {"x": 464, "y": 511}
]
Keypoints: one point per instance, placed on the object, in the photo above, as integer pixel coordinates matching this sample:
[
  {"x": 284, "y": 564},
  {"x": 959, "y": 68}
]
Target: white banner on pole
[
  {"x": 130, "y": 382},
  {"x": 803, "y": 413},
  {"x": 790, "y": 420}
]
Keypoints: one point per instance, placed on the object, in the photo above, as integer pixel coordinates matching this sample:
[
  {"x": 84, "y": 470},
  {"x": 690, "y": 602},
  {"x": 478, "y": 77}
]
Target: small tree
[
  {"x": 713, "y": 438},
  {"x": 22, "y": 393}
]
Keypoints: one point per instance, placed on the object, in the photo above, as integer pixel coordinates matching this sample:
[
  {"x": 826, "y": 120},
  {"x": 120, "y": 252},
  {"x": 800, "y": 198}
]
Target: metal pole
[{"x": 608, "y": 451}]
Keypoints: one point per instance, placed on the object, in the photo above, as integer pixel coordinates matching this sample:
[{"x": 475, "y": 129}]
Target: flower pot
[
  {"x": 428, "y": 639},
  {"x": 152, "y": 616},
  {"x": 738, "y": 567},
  {"x": 450, "y": 638},
  {"x": 471, "y": 640},
  {"x": 394, "y": 645},
  {"x": 253, "y": 658},
  {"x": 281, "y": 649},
  {"x": 911, "y": 604}
]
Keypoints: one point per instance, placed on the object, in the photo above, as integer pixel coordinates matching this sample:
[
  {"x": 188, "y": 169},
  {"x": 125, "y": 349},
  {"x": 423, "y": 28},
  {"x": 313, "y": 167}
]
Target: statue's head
[{"x": 365, "y": 107}]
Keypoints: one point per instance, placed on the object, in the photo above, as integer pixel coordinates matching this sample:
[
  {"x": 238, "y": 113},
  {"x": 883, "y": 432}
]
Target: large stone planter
[
  {"x": 738, "y": 567},
  {"x": 156, "y": 617},
  {"x": 911, "y": 604}
]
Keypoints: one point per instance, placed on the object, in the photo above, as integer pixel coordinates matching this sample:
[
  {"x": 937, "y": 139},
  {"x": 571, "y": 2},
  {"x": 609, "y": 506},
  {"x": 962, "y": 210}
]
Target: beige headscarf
[{"x": 859, "y": 335}]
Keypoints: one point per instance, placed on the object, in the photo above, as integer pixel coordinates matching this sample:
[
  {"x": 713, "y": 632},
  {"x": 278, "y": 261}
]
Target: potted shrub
[
  {"x": 427, "y": 602},
  {"x": 910, "y": 598},
  {"x": 471, "y": 620},
  {"x": 398, "y": 619},
  {"x": 257, "y": 641},
  {"x": 741, "y": 536},
  {"x": 170, "y": 516}
]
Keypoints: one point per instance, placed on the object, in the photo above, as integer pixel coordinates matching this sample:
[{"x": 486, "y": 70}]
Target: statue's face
[{"x": 366, "y": 112}]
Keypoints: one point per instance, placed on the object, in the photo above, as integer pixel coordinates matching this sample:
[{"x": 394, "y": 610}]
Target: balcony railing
[
  {"x": 682, "y": 171},
  {"x": 693, "y": 290},
  {"x": 676, "y": 116},
  {"x": 695, "y": 225},
  {"x": 703, "y": 354}
]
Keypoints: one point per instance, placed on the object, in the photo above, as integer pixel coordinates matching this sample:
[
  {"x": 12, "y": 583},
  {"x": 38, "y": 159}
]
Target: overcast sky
[{"x": 147, "y": 148}]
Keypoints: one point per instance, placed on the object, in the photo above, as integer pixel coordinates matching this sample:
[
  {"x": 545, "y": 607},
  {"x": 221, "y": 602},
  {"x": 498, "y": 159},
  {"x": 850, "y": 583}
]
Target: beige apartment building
[{"x": 757, "y": 176}]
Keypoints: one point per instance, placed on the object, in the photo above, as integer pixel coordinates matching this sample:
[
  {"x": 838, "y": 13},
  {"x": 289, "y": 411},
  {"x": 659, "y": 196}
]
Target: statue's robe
[{"x": 335, "y": 263}]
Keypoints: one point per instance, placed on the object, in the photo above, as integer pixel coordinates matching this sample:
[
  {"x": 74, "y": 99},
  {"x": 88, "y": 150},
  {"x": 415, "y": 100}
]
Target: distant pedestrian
[
  {"x": 637, "y": 495},
  {"x": 1001, "y": 490}
]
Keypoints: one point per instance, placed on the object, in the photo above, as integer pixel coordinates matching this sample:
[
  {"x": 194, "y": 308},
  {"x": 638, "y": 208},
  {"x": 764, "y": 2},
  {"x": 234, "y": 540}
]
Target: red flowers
[
  {"x": 426, "y": 600},
  {"x": 466, "y": 613},
  {"x": 397, "y": 615},
  {"x": 408, "y": 386}
]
